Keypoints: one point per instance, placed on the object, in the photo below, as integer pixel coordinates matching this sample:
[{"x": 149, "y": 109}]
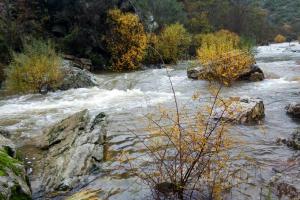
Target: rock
[
  {"x": 13, "y": 179},
  {"x": 253, "y": 74},
  {"x": 166, "y": 188},
  {"x": 74, "y": 152},
  {"x": 243, "y": 110},
  {"x": 81, "y": 63},
  {"x": 76, "y": 78},
  {"x": 294, "y": 110},
  {"x": 292, "y": 142},
  {"x": 196, "y": 73}
]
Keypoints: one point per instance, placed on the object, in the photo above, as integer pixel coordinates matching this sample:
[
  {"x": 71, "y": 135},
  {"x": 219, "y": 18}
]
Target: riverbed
[{"x": 128, "y": 97}]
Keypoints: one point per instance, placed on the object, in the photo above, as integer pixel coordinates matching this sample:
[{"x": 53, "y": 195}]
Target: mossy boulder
[{"x": 13, "y": 180}]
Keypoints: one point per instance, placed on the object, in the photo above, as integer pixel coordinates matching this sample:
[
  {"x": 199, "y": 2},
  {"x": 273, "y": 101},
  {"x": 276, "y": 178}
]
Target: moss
[
  {"x": 7, "y": 161},
  {"x": 18, "y": 194}
]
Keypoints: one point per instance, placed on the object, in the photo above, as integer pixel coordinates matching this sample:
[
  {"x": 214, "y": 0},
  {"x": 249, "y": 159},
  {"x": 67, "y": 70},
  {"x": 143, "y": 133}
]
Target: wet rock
[
  {"x": 294, "y": 110},
  {"x": 292, "y": 142},
  {"x": 254, "y": 74},
  {"x": 73, "y": 153},
  {"x": 81, "y": 63},
  {"x": 242, "y": 110},
  {"x": 287, "y": 191},
  {"x": 197, "y": 73},
  {"x": 13, "y": 179},
  {"x": 166, "y": 188},
  {"x": 76, "y": 78}
]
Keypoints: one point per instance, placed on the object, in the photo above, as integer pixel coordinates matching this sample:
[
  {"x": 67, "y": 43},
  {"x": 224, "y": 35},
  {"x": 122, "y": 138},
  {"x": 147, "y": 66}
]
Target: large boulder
[
  {"x": 13, "y": 179},
  {"x": 241, "y": 110},
  {"x": 76, "y": 78},
  {"x": 293, "y": 109},
  {"x": 253, "y": 74},
  {"x": 73, "y": 151}
]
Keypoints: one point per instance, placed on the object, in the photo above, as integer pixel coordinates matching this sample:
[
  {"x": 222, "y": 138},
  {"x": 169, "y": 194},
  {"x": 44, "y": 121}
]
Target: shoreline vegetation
[
  {"x": 187, "y": 153},
  {"x": 124, "y": 35}
]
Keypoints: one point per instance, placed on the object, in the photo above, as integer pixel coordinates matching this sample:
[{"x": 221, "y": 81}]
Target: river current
[{"x": 127, "y": 97}]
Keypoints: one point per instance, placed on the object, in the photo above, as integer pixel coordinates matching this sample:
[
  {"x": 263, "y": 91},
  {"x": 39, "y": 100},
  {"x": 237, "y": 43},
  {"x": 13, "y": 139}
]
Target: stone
[
  {"x": 74, "y": 151},
  {"x": 82, "y": 63},
  {"x": 13, "y": 179},
  {"x": 253, "y": 74},
  {"x": 196, "y": 73},
  {"x": 293, "y": 110},
  {"x": 241, "y": 110},
  {"x": 76, "y": 78},
  {"x": 293, "y": 142}
]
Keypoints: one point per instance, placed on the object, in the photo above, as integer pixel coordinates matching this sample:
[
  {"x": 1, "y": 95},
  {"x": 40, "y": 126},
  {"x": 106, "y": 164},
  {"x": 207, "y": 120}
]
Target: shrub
[
  {"x": 174, "y": 42},
  {"x": 152, "y": 55},
  {"x": 279, "y": 38},
  {"x": 126, "y": 40},
  {"x": 36, "y": 67},
  {"x": 188, "y": 155},
  {"x": 223, "y": 57}
]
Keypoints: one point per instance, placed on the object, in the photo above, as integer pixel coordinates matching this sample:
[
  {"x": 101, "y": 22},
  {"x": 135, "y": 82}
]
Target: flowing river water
[{"x": 127, "y": 97}]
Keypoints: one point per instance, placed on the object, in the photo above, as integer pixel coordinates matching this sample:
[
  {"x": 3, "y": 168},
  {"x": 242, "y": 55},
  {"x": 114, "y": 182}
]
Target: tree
[
  {"x": 126, "y": 40},
  {"x": 279, "y": 38},
  {"x": 173, "y": 43},
  {"x": 157, "y": 14},
  {"x": 223, "y": 58},
  {"x": 38, "y": 66}
]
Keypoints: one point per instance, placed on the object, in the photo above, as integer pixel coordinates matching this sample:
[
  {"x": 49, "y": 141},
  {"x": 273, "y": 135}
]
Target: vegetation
[
  {"x": 8, "y": 162},
  {"x": 38, "y": 66},
  {"x": 279, "y": 39},
  {"x": 173, "y": 43},
  {"x": 223, "y": 57},
  {"x": 189, "y": 157},
  {"x": 126, "y": 40}
]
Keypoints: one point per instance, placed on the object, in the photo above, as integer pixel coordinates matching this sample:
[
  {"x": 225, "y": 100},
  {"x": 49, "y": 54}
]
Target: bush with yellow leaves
[
  {"x": 126, "y": 40},
  {"x": 223, "y": 57},
  {"x": 279, "y": 38},
  {"x": 36, "y": 67},
  {"x": 188, "y": 155},
  {"x": 173, "y": 43}
]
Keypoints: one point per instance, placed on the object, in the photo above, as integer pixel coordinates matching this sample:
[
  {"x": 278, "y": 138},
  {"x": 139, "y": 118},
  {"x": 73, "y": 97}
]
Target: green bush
[
  {"x": 38, "y": 66},
  {"x": 173, "y": 43}
]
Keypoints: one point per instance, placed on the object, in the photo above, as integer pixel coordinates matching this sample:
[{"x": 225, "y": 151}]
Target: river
[{"x": 127, "y": 97}]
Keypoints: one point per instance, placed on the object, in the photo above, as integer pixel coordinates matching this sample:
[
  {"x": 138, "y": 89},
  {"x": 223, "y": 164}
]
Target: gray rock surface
[
  {"x": 76, "y": 78},
  {"x": 294, "y": 110},
  {"x": 253, "y": 74},
  {"x": 13, "y": 178},
  {"x": 292, "y": 142},
  {"x": 241, "y": 110},
  {"x": 73, "y": 151}
]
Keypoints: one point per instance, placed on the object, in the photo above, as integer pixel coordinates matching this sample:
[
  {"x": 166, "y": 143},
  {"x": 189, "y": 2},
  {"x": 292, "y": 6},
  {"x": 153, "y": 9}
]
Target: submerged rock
[
  {"x": 294, "y": 110},
  {"x": 253, "y": 74},
  {"x": 73, "y": 152},
  {"x": 76, "y": 78},
  {"x": 242, "y": 110},
  {"x": 292, "y": 142},
  {"x": 13, "y": 179}
]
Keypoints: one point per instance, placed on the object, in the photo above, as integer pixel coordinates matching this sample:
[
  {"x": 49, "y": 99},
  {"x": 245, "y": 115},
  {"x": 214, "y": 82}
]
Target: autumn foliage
[
  {"x": 279, "y": 38},
  {"x": 223, "y": 57},
  {"x": 173, "y": 43},
  {"x": 36, "y": 67},
  {"x": 126, "y": 40}
]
